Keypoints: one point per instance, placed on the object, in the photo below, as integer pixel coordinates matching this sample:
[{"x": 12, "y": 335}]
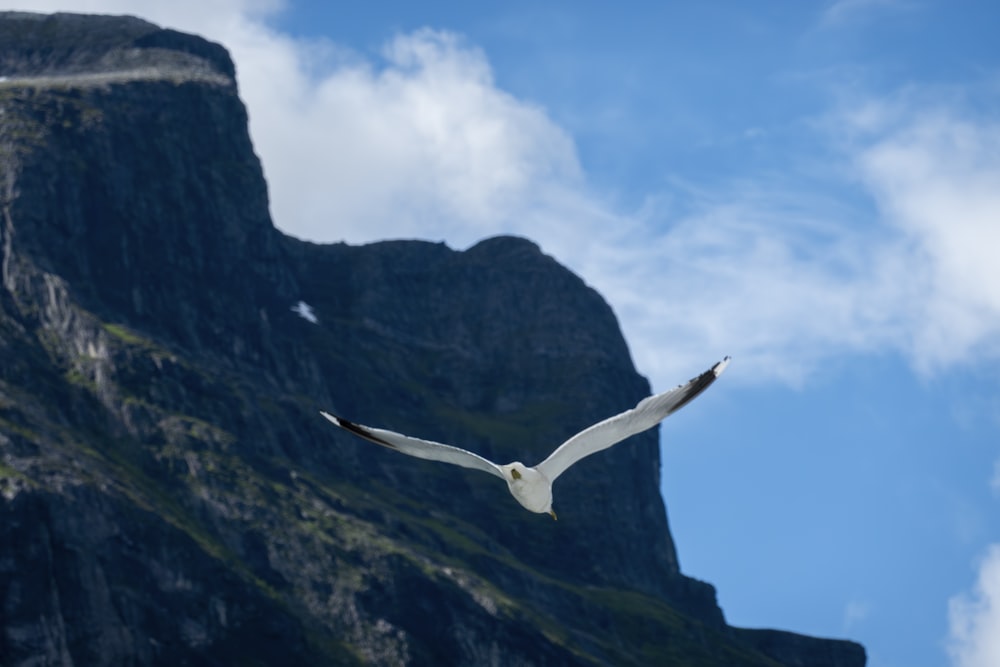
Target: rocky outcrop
[{"x": 168, "y": 493}]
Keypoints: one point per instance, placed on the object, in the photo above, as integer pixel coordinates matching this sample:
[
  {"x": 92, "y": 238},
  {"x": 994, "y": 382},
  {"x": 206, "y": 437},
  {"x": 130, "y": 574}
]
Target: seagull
[{"x": 532, "y": 486}]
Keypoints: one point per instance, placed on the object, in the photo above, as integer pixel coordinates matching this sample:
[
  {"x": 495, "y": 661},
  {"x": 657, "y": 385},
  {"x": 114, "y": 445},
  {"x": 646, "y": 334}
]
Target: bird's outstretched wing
[
  {"x": 422, "y": 449},
  {"x": 649, "y": 412}
]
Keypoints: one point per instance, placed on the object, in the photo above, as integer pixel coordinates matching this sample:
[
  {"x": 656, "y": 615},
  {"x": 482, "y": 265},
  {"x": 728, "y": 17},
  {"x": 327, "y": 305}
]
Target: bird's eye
[{"x": 515, "y": 474}]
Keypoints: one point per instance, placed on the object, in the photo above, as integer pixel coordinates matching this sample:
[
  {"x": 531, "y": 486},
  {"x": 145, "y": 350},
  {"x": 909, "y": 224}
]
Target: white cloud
[
  {"x": 758, "y": 275},
  {"x": 419, "y": 141},
  {"x": 420, "y": 145},
  {"x": 935, "y": 179},
  {"x": 856, "y": 612},
  {"x": 974, "y": 618}
]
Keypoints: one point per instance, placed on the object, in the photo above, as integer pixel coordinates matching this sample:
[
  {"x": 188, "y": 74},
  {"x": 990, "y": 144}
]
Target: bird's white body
[
  {"x": 529, "y": 487},
  {"x": 532, "y": 486}
]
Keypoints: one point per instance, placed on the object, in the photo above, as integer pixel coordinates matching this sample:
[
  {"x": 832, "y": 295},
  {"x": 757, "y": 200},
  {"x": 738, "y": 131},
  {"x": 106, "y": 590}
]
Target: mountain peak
[{"x": 78, "y": 50}]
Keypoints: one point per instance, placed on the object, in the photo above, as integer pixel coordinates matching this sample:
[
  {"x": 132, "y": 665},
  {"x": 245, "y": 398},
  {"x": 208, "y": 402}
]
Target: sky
[{"x": 810, "y": 187}]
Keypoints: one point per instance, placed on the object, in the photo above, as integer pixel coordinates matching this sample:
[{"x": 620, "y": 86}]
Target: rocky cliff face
[{"x": 168, "y": 493}]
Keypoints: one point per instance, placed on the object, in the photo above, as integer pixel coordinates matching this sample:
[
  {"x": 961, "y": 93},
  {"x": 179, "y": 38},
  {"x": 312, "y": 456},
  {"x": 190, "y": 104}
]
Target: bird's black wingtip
[
  {"x": 699, "y": 384},
  {"x": 357, "y": 430}
]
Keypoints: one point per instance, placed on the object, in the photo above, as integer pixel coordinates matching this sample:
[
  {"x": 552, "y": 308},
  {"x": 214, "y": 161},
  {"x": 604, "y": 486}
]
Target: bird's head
[
  {"x": 517, "y": 473},
  {"x": 529, "y": 487}
]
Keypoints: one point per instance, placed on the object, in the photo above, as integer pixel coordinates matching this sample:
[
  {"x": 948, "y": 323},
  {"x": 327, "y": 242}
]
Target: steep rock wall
[{"x": 168, "y": 491}]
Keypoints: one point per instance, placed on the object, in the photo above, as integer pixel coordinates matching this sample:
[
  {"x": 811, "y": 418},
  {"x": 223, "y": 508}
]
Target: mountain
[{"x": 168, "y": 491}]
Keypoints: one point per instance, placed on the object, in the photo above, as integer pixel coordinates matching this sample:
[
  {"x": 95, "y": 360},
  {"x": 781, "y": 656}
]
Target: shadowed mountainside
[{"x": 168, "y": 492}]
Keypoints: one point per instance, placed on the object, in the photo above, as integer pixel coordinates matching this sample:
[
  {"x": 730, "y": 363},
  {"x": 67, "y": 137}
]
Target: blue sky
[{"x": 812, "y": 187}]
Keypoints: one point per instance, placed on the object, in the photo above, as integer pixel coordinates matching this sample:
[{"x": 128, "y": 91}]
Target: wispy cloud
[
  {"x": 841, "y": 12},
  {"x": 974, "y": 618},
  {"x": 855, "y": 613},
  {"x": 934, "y": 175},
  {"x": 419, "y": 141}
]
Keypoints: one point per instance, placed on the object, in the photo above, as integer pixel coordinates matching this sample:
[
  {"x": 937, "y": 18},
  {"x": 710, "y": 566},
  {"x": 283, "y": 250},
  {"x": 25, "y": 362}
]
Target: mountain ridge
[{"x": 169, "y": 492}]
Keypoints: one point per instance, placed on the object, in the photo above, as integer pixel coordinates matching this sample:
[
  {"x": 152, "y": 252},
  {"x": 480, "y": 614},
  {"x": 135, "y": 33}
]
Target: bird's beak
[{"x": 552, "y": 513}]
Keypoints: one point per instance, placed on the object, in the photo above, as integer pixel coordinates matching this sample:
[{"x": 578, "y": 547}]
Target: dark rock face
[{"x": 168, "y": 493}]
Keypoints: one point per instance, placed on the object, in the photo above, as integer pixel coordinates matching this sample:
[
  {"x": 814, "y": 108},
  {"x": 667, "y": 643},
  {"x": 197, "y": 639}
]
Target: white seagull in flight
[{"x": 532, "y": 487}]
